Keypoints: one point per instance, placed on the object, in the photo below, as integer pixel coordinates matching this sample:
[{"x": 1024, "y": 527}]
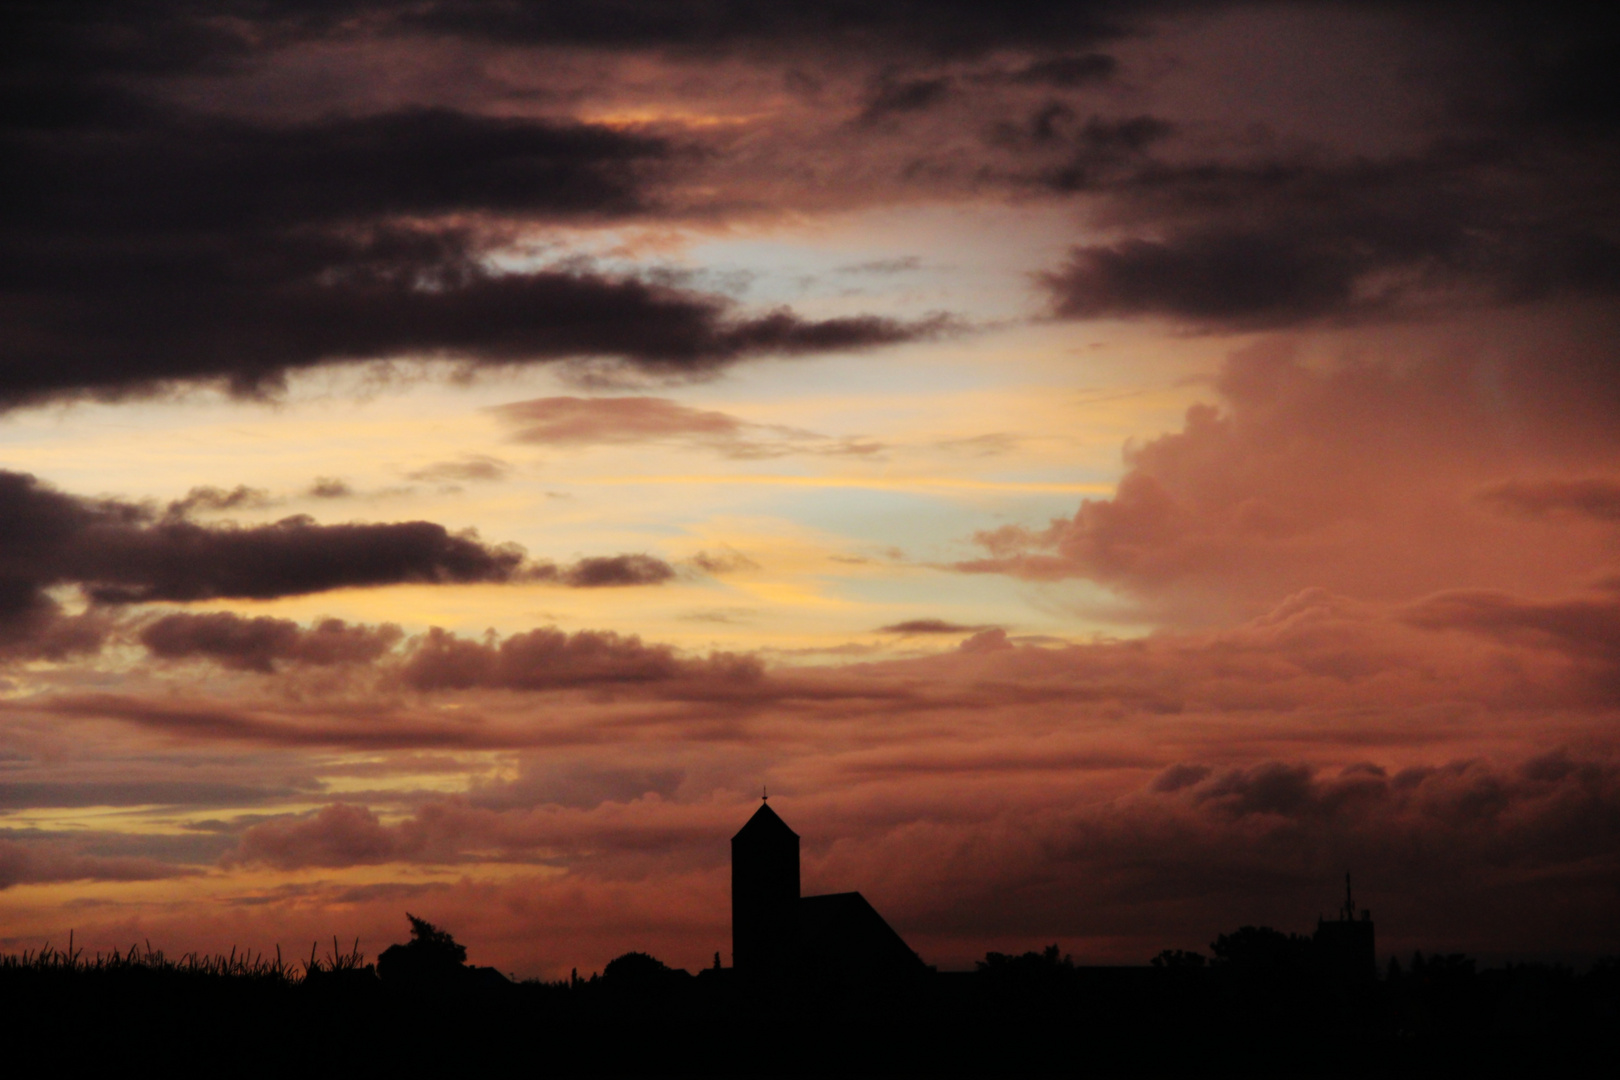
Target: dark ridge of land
[{"x": 415, "y": 1014}]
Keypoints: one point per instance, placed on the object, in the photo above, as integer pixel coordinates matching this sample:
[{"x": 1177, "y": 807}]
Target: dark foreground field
[{"x": 1030, "y": 1015}]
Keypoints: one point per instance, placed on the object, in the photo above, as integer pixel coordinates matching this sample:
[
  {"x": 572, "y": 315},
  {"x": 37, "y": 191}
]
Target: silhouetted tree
[
  {"x": 1270, "y": 978},
  {"x": 1450, "y": 967},
  {"x": 1179, "y": 960},
  {"x": 432, "y": 956},
  {"x": 1046, "y": 977},
  {"x": 1257, "y": 949},
  {"x": 639, "y": 972},
  {"x": 1441, "y": 996},
  {"x": 1047, "y": 960}
]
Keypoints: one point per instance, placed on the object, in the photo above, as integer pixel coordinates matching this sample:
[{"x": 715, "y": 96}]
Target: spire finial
[
  {"x": 764, "y": 794},
  {"x": 1349, "y": 899}
]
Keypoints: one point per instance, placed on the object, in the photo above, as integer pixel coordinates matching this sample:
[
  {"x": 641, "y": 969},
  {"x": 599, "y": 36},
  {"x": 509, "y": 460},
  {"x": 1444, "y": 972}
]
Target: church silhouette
[
  {"x": 837, "y": 947},
  {"x": 783, "y": 943}
]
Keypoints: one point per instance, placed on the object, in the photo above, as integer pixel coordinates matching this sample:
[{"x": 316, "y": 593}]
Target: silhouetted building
[
  {"x": 1344, "y": 946},
  {"x": 846, "y": 946},
  {"x": 764, "y": 901},
  {"x": 781, "y": 941}
]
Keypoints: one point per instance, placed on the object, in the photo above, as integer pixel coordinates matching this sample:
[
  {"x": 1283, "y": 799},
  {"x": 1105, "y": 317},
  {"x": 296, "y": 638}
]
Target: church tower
[
  {"x": 764, "y": 901},
  {"x": 1344, "y": 946}
]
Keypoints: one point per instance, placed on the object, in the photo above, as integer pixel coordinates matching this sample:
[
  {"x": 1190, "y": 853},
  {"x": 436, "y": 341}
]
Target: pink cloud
[
  {"x": 1119, "y": 796},
  {"x": 339, "y": 835},
  {"x": 550, "y": 659},
  {"x": 1360, "y": 477},
  {"x": 40, "y": 862},
  {"x": 255, "y": 644},
  {"x": 576, "y": 421}
]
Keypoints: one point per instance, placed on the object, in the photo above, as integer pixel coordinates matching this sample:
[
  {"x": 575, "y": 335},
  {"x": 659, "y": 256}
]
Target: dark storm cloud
[
  {"x": 158, "y": 170},
  {"x": 143, "y": 244},
  {"x": 165, "y": 37},
  {"x": 1561, "y": 70},
  {"x": 1235, "y": 276},
  {"x": 110, "y": 320},
  {"x": 1281, "y": 242},
  {"x": 121, "y": 553},
  {"x": 256, "y": 644},
  {"x": 184, "y": 562},
  {"x": 117, "y": 552},
  {"x": 129, "y": 218},
  {"x": 1509, "y": 200},
  {"x": 953, "y": 27}
]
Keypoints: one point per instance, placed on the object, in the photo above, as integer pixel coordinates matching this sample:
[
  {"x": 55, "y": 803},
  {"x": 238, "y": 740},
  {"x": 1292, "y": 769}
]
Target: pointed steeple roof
[{"x": 765, "y": 825}]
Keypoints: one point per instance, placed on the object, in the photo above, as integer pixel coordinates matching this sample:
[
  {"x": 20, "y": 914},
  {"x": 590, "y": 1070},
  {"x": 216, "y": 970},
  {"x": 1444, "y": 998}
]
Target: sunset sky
[{"x": 1108, "y": 468}]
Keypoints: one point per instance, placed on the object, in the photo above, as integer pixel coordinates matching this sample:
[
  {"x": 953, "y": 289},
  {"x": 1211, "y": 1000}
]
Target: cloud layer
[{"x": 1121, "y": 796}]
